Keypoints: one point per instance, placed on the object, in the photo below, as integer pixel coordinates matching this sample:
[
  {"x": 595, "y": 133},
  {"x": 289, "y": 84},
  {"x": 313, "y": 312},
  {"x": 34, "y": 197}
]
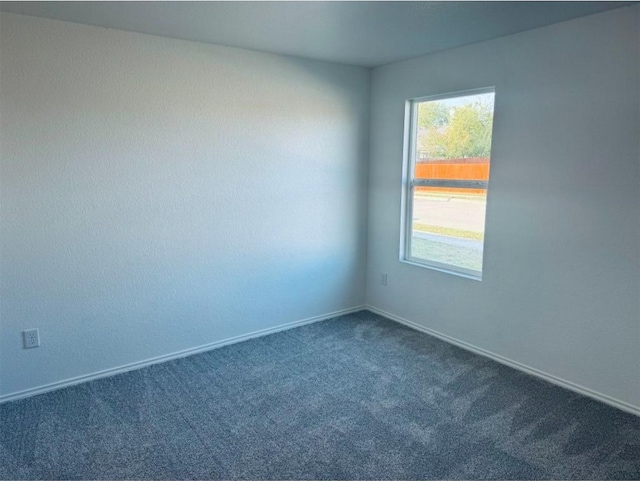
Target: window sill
[{"x": 466, "y": 275}]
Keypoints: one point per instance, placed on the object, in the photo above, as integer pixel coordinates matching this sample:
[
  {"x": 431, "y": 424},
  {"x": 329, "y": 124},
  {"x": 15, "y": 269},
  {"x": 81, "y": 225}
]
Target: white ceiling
[{"x": 359, "y": 33}]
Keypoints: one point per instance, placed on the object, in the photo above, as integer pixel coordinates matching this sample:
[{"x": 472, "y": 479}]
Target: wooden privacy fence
[{"x": 472, "y": 168}]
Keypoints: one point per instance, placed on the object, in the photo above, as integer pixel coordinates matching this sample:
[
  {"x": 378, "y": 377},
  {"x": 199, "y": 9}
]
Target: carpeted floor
[{"x": 357, "y": 397}]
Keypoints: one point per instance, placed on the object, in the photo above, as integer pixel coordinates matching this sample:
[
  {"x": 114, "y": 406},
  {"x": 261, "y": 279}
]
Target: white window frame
[{"x": 409, "y": 183}]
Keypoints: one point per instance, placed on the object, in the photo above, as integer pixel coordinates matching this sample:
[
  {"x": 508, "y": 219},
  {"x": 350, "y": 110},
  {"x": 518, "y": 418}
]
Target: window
[{"x": 448, "y": 153}]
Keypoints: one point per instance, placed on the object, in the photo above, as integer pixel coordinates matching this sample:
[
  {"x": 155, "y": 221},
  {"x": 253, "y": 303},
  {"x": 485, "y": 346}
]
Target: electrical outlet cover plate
[{"x": 31, "y": 338}]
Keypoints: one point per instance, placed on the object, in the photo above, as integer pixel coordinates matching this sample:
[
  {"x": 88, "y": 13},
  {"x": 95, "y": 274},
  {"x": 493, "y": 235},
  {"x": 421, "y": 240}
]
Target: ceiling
[{"x": 360, "y": 33}]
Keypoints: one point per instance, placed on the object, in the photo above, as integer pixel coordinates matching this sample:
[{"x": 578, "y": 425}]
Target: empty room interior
[{"x": 319, "y": 240}]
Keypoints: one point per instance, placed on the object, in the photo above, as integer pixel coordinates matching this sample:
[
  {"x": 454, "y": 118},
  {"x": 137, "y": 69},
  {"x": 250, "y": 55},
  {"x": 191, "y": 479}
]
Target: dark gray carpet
[{"x": 357, "y": 397}]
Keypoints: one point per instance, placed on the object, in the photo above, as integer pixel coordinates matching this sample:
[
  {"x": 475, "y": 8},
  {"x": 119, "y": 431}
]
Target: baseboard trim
[
  {"x": 514, "y": 364},
  {"x": 169, "y": 357}
]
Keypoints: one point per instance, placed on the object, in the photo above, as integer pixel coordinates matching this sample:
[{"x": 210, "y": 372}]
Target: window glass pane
[
  {"x": 451, "y": 144},
  {"x": 448, "y": 226},
  {"x": 453, "y": 138}
]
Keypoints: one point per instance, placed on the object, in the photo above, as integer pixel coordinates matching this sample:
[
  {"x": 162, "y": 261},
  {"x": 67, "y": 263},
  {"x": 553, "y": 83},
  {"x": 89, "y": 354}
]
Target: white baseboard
[
  {"x": 168, "y": 357},
  {"x": 263, "y": 332},
  {"x": 514, "y": 364}
]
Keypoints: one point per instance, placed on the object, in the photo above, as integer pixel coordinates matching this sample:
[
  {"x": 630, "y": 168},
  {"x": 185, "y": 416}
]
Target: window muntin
[{"x": 447, "y": 174}]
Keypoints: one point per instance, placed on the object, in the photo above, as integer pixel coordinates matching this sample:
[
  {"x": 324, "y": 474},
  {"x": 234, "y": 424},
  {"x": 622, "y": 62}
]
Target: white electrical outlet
[
  {"x": 31, "y": 338},
  {"x": 383, "y": 279}
]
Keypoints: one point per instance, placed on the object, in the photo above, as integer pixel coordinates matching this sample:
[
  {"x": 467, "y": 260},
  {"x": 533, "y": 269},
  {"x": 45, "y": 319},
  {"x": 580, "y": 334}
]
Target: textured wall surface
[
  {"x": 159, "y": 195},
  {"x": 561, "y": 262}
]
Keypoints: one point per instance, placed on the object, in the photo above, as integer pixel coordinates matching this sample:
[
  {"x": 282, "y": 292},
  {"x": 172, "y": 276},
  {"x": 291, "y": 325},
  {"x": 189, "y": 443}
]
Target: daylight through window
[{"x": 448, "y": 161}]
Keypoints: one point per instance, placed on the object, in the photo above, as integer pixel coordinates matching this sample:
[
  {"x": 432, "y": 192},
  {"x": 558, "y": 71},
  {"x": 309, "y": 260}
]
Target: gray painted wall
[
  {"x": 155, "y": 197},
  {"x": 159, "y": 195},
  {"x": 561, "y": 282}
]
